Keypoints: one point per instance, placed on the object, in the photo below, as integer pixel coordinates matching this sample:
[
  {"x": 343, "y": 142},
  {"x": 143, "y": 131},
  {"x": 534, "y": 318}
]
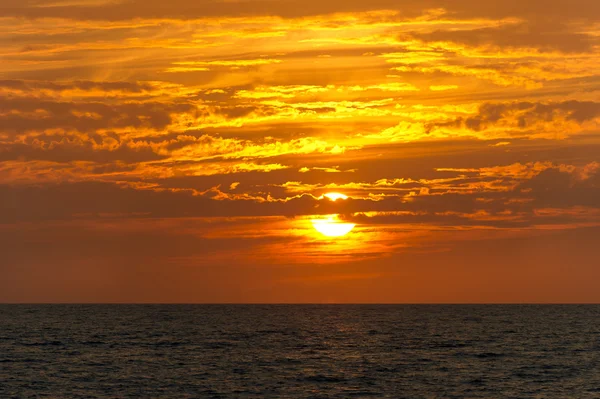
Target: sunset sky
[{"x": 179, "y": 151}]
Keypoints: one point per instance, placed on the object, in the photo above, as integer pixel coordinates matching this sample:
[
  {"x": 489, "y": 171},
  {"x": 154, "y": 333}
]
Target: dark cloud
[
  {"x": 524, "y": 115},
  {"x": 28, "y": 114},
  {"x": 558, "y": 187},
  {"x": 66, "y": 201},
  {"x": 527, "y": 113},
  {"x": 186, "y": 9},
  {"x": 555, "y": 188},
  {"x": 545, "y": 36},
  {"x": 35, "y": 85},
  {"x": 65, "y": 150}
]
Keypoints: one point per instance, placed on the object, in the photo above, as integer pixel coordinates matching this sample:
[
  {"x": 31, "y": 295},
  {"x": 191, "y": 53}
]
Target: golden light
[
  {"x": 335, "y": 196},
  {"x": 331, "y": 227}
]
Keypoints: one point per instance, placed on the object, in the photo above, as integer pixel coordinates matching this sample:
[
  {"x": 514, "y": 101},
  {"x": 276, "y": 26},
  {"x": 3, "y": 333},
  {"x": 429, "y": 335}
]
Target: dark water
[{"x": 281, "y": 351}]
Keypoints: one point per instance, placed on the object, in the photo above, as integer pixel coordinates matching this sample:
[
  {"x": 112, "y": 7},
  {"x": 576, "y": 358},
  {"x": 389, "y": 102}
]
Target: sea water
[{"x": 300, "y": 351}]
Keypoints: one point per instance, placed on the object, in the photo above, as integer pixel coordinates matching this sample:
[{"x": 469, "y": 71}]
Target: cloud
[
  {"x": 22, "y": 115},
  {"x": 564, "y": 187},
  {"x": 191, "y": 66},
  {"x": 68, "y": 148},
  {"x": 549, "y": 119},
  {"x": 185, "y": 9},
  {"x": 493, "y": 195},
  {"x": 82, "y": 87},
  {"x": 541, "y": 35},
  {"x": 443, "y": 87},
  {"x": 525, "y": 114}
]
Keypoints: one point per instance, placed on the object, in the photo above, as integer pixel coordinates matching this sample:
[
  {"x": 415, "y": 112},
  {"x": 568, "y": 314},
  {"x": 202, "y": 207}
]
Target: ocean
[{"x": 300, "y": 351}]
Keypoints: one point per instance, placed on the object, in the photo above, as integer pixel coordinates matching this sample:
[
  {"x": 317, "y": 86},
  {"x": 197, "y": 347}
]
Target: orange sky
[{"x": 179, "y": 151}]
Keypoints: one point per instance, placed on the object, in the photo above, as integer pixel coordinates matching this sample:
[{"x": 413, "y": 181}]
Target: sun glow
[{"x": 331, "y": 227}]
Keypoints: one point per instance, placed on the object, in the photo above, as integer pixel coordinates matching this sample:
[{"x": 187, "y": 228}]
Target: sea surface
[{"x": 300, "y": 351}]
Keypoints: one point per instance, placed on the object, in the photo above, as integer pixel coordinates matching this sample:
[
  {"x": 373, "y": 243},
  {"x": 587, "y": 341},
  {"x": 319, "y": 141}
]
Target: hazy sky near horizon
[{"x": 178, "y": 151}]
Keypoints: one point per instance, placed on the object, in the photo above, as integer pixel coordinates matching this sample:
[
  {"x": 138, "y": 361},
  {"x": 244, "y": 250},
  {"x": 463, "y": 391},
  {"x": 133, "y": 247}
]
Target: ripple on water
[{"x": 299, "y": 351}]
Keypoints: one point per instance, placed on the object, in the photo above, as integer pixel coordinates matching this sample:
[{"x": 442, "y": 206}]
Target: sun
[{"x": 331, "y": 227}]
